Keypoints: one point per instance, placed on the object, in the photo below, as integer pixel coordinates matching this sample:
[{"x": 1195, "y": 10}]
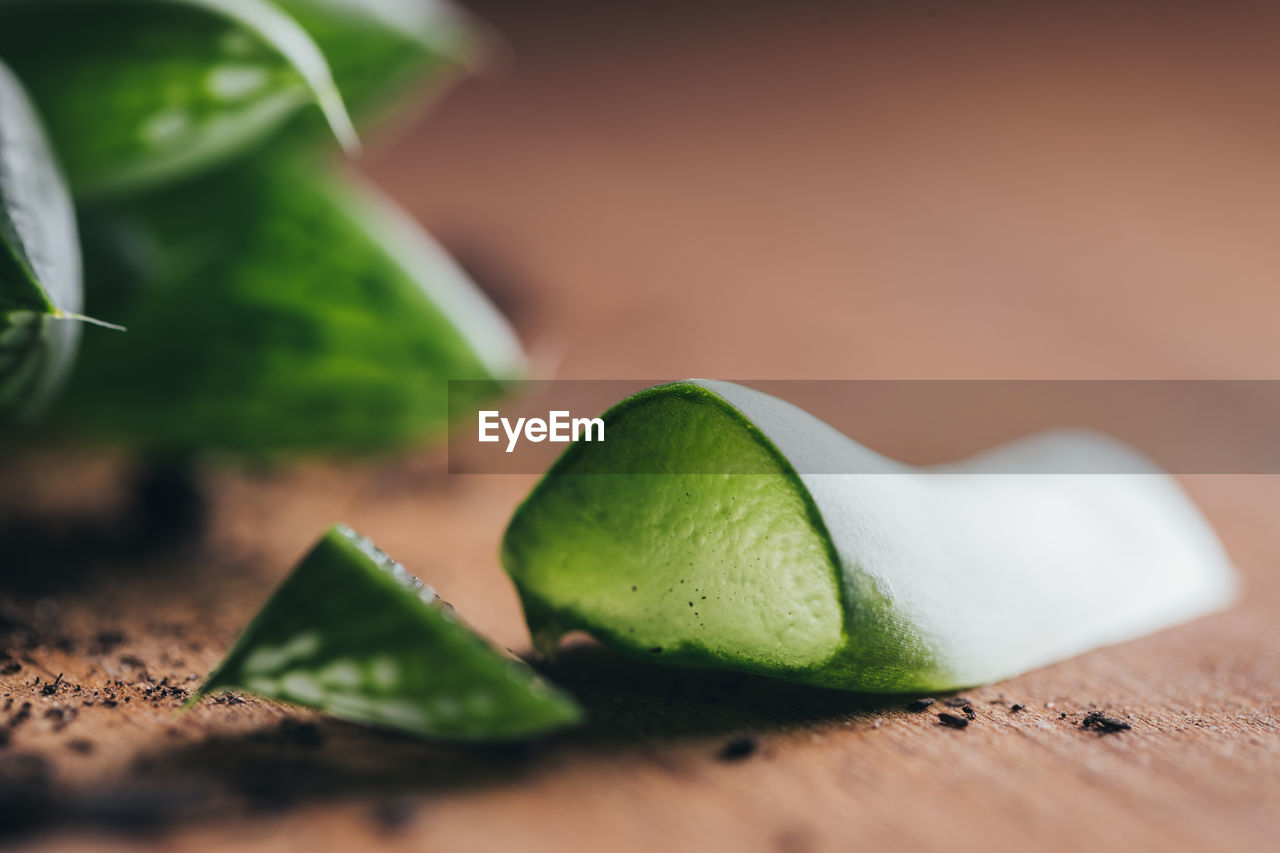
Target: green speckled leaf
[
  {"x": 140, "y": 92},
  {"x": 378, "y": 48},
  {"x": 39, "y": 261},
  {"x": 350, "y": 632},
  {"x": 280, "y": 311}
]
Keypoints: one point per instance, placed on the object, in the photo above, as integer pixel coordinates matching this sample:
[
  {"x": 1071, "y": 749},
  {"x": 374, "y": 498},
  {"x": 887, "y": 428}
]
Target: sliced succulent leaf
[
  {"x": 352, "y": 633},
  {"x": 286, "y": 311},
  {"x": 719, "y": 526},
  {"x": 378, "y": 48},
  {"x": 141, "y": 92},
  {"x": 39, "y": 261}
]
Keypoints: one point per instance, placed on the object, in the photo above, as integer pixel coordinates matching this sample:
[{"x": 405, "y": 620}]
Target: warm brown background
[{"x": 784, "y": 190}]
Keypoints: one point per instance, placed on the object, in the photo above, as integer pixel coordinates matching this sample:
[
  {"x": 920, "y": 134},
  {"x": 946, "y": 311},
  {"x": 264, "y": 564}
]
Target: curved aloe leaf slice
[
  {"x": 352, "y": 633},
  {"x": 285, "y": 311},
  {"x": 377, "y": 48},
  {"x": 39, "y": 261},
  {"x": 893, "y": 580},
  {"x": 140, "y": 92}
]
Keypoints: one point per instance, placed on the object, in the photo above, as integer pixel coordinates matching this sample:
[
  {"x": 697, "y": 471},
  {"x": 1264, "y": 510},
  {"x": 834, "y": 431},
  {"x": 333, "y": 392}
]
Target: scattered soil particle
[
  {"x": 1016, "y": 708},
  {"x": 60, "y": 717},
  {"x": 163, "y": 690},
  {"x": 1104, "y": 723},
  {"x": 920, "y": 704},
  {"x": 955, "y": 702},
  {"x": 10, "y": 667},
  {"x": 392, "y": 814},
  {"x": 738, "y": 749},
  {"x": 21, "y": 716},
  {"x": 969, "y": 712},
  {"x": 52, "y": 687},
  {"x": 106, "y": 642},
  {"x": 301, "y": 734},
  {"x": 952, "y": 720}
]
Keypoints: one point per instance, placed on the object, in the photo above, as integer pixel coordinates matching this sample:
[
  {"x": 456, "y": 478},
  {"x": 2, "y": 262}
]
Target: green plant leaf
[
  {"x": 282, "y": 311},
  {"x": 352, "y": 633},
  {"x": 379, "y": 48},
  {"x": 719, "y": 526},
  {"x": 137, "y": 93},
  {"x": 39, "y": 261}
]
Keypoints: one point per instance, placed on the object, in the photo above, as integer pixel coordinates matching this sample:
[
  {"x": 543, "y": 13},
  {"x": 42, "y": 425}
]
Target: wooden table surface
[{"x": 755, "y": 192}]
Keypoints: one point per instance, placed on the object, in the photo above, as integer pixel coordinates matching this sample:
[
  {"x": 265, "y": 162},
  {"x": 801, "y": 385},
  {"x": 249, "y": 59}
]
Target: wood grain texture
[{"x": 752, "y": 192}]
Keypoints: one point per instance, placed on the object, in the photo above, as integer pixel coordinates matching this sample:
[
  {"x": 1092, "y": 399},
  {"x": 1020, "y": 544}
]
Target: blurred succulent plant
[
  {"x": 270, "y": 307},
  {"x": 39, "y": 261}
]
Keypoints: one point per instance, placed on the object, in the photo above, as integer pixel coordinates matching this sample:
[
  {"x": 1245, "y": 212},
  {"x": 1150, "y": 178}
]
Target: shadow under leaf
[
  {"x": 631, "y": 701},
  {"x": 631, "y": 707}
]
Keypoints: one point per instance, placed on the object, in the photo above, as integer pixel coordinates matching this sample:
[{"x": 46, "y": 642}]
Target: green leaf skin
[
  {"x": 39, "y": 262},
  {"x": 378, "y": 49},
  {"x": 283, "y": 311},
  {"x": 350, "y": 632},
  {"x": 719, "y": 526},
  {"x": 137, "y": 93}
]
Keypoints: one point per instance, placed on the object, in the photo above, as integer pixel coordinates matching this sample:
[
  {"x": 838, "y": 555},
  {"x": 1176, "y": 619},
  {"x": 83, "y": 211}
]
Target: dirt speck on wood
[
  {"x": 1104, "y": 723},
  {"x": 738, "y": 749}
]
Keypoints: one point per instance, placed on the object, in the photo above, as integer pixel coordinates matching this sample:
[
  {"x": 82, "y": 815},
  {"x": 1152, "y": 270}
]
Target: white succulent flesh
[{"x": 1002, "y": 563}]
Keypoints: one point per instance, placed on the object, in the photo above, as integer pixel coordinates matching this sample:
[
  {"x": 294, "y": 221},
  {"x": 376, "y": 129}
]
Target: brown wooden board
[{"x": 773, "y": 191}]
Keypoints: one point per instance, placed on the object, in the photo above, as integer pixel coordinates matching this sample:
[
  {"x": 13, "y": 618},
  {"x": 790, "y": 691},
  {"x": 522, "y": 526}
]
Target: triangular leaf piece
[{"x": 352, "y": 633}]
